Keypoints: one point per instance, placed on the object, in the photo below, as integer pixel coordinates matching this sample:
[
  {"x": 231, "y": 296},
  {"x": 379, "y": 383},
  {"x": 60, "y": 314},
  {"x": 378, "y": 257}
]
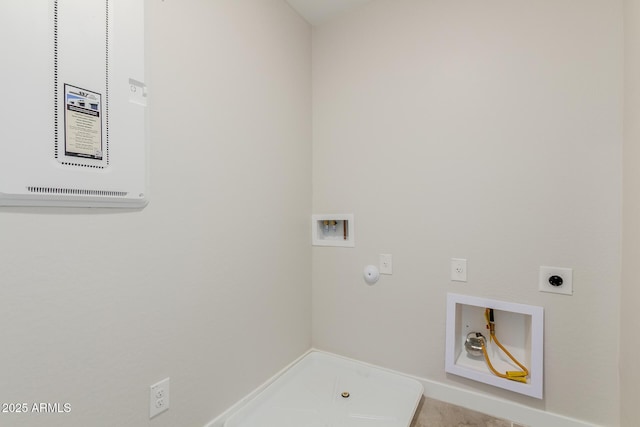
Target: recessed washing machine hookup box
[
  {"x": 333, "y": 230},
  {"x": 73, "y": 114},
  {"x": 518, "y": 327}
]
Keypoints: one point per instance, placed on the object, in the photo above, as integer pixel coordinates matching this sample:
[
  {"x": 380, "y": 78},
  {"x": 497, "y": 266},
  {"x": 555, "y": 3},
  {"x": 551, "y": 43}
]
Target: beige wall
[
  {"x": 210, "y": 284},
  {"x": 630, "y": 321},
  {"x": 485, "y": 130},
  {"x": 451, "y": 129}
]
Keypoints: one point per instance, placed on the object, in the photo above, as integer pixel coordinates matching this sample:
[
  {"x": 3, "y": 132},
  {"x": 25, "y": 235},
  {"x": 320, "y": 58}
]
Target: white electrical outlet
[
  {"x": 386, "y": 264},
  {"x": 458, "y": 269},
  {"x": 556, "y": 280},
  {"x": 159, "y": 398}
]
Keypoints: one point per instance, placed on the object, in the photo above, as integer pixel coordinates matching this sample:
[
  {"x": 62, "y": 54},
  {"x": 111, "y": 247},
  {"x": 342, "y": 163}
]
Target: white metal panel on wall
[{"x": 73, "y": 119}]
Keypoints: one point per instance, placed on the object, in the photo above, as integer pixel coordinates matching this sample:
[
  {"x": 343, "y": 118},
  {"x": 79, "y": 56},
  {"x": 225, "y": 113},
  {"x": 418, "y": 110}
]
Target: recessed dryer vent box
[
  {"x": 333, "y": 230},
  {"x": 519, "y": 328},
  {"x": 73, "y": 113}
]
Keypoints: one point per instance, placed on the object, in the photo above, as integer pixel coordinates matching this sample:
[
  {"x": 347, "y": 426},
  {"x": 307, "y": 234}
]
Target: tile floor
[{"x": 433, "y": 413}]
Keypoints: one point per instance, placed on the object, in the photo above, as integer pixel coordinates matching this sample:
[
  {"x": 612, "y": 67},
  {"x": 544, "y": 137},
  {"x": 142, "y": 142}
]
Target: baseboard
[{"x": 493, "y": 406}]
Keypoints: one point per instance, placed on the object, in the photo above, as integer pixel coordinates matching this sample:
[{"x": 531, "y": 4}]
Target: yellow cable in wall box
[{"x": 520, "y": 376}]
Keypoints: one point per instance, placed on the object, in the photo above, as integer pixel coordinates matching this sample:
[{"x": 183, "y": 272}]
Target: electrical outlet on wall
[
  {"x": 458, "y": 269},
  {"x": 159, "y": 398},
  {"x": 556, "y": 280}
]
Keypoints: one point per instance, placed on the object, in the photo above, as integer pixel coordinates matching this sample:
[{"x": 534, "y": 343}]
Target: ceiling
[{"x": 318, "y": 11}]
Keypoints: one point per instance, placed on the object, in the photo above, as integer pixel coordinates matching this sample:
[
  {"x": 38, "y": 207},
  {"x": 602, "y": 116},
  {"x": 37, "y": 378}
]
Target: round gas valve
[{"x": 474, "y": 343}]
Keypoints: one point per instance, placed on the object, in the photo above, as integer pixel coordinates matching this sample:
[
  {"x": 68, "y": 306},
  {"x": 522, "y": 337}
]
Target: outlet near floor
[{"x": 158, "y": 398}]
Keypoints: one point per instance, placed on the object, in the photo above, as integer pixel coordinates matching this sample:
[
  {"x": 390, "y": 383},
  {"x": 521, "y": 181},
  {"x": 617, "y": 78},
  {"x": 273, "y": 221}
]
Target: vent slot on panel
[
  {"x": 81, "y": 165},
  {"x": 106, "y": 73},
  {"x": 55, "y": 79},
  {"x": 76, "y": 192},
  {"x": 58, "y": 145}
]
